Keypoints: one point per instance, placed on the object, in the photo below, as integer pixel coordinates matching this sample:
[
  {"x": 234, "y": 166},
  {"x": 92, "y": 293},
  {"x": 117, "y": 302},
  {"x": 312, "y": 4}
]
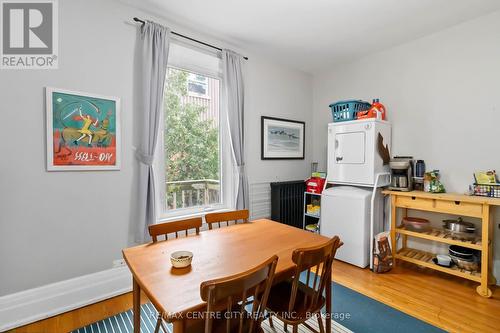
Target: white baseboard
[{"x": 46, "y": 301}]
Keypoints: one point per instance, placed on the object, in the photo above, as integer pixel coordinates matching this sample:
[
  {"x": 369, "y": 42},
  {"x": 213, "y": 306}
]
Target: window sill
[{"x": 190, "y": 215}]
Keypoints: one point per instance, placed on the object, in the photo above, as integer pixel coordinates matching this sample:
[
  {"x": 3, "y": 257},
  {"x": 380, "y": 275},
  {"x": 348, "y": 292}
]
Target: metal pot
[
  {"x": 469, "y": 265},
  {"x": 461, "y": 252},
  {"x": 459, "y": 226}
]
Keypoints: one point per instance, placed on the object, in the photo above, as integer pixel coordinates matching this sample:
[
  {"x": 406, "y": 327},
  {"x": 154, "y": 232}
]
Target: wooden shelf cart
[{"x": 455, "y": 204}]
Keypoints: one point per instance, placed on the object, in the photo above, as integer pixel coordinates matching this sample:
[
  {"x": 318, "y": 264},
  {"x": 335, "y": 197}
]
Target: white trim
[
  {"x": 46, "y": 301},
  {"x": 226, "y": 174},
  {"x": 169, "y": 214},
  {"x": 191, "y": 215}
]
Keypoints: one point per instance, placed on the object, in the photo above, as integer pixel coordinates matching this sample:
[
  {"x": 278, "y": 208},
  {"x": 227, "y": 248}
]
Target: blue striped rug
[
  {"x": 365, "y": 315},
  {"x": 122, "y": 323}
]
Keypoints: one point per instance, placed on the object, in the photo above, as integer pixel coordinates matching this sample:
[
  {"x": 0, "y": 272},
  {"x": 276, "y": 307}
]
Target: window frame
[{"x": 226, "y": 172}]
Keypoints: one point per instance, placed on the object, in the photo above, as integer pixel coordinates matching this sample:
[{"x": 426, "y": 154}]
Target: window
[
  {"x": 194, "y": 156},
  {"x": 197, "y": 85}
]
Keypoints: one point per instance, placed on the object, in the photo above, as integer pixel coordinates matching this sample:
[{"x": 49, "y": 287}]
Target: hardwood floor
[
  {"x": 441, "y": 300},
  {"x": 72, "y": 320}
]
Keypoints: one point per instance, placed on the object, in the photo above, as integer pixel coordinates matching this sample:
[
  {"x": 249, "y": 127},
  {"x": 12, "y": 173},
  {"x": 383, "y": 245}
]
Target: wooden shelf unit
[
  {"x": 447, "y": 203},
  {"x": 423, "y": 258},
  {"x": 440, "y": 235}
]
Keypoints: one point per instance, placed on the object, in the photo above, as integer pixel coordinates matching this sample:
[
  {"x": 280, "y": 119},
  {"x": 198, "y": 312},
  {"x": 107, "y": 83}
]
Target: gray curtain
[
  {"x": 153, "y": 47},
  {"x": 234, "y": 96}
]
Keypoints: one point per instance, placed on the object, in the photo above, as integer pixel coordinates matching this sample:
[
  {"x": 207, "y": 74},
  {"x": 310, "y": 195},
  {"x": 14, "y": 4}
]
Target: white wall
[
  {"x": 277, "y": 92},
  {"x": 59, "y": 225},
  {"x": 442, "y": 95}
]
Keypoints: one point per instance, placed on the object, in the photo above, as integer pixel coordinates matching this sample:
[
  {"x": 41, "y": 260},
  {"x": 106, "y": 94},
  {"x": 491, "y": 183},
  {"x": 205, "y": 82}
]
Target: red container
[
  {"x": 375, "y": 108},
  {"x": 315, "y": 185}
]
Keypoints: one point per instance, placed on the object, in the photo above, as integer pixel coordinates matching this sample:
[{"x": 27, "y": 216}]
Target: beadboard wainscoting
[{"x": 260, "y": 200}]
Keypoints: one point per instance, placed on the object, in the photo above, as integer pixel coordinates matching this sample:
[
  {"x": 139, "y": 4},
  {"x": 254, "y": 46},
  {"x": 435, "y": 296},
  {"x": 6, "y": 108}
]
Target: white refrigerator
[{"x": 345, "y": 212}]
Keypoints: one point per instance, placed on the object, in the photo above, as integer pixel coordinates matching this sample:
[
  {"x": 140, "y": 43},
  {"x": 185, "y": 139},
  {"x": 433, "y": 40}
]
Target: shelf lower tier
[
  {"x": 440, "y": 235},
  {"x": 424, "y": 259}
]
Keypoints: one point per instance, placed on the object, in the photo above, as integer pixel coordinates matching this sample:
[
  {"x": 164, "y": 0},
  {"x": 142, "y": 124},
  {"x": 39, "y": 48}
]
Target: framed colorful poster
[
  {"x": 282, "y": 139},
  {"x": 83, "y": 131}
]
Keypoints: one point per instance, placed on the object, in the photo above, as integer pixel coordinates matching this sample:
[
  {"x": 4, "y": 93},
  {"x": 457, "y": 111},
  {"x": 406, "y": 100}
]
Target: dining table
[{"x": 221, "y": 252}]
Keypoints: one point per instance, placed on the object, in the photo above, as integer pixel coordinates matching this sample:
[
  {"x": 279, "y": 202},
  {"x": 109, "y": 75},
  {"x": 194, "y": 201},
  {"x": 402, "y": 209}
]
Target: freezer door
[{"x": 350, "y": 148}]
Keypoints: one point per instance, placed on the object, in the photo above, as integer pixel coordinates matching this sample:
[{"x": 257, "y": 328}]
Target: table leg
[
  {"x": 178, "y": 326},
  {"x": 328, "y": 321},
  {"x": 136, "y": 306}
]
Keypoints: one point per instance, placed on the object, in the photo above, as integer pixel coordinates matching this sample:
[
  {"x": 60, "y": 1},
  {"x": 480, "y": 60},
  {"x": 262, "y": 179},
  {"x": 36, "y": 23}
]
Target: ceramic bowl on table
[{"x": 181, "y": 259}]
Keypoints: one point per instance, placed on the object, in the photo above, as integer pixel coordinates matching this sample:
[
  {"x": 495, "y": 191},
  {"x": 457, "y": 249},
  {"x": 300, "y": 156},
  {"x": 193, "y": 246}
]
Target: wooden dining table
[{"x": 175, "y": 292}]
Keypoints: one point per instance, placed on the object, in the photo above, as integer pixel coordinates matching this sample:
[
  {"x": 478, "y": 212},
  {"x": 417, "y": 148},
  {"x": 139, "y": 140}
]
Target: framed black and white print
[{"x": 282, "y": 139}]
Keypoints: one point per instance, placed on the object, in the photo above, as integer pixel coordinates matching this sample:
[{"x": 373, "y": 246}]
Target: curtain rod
[{"x": 187, "y": 37}]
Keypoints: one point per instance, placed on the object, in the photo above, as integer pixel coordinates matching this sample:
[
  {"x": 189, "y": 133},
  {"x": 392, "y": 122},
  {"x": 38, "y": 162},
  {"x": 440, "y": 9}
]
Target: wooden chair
[
  {"x": 295, "y": 302},
  {"x": 175, "y": 227},
  {"x": 165, "y": 229},
  {"x": 226, "y": 299},
  {"x": 226, "y": 217}
]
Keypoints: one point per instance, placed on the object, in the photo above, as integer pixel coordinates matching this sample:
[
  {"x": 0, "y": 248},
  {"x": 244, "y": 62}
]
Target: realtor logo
[{"x": 29, "y": 34}]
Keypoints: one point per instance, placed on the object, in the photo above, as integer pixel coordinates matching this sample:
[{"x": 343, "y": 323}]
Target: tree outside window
[{"x": 192, "y": 161}]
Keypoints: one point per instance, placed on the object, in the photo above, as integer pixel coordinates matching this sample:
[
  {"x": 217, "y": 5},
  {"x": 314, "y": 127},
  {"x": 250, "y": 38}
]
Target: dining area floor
[
  {"x": 432, "y": 302},
  {"x": 444, "y": 301},
  {"x": 401, "y": 295},
  {"x": 256, "y": 267}
]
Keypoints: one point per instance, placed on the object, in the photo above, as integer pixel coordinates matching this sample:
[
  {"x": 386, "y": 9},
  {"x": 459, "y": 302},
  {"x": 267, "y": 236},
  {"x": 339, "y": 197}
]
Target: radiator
[{"x": 287, "y": 202}]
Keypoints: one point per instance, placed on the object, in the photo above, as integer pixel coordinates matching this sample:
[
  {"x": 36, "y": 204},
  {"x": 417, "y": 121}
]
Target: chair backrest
[
  {"x": 175, "y": 227},
  {"x": 318, "y": 257},
  {"x": 225, "y": 293},
  {"x": 226, "y": 217}
]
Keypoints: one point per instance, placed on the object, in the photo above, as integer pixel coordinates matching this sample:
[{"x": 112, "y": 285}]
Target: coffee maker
[{"x": 401, "y": 173}]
